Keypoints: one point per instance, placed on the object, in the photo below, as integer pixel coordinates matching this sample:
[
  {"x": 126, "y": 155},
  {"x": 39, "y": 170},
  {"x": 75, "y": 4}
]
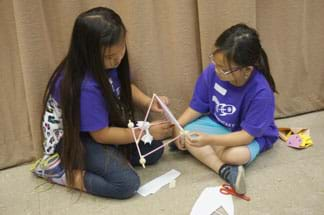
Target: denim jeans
[{"x": 109, "y": 174}]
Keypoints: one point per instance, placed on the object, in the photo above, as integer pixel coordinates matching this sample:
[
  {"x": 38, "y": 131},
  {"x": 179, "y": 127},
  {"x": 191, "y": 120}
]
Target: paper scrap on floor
[
  {"x": 210, "y": 200},
  {"x": 298, "y": 138},
  {"x": 155, "y": 185}
]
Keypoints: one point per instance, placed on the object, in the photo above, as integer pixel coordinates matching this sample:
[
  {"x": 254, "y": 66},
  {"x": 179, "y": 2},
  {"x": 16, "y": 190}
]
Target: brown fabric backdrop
[{"x": 168, "y": 42}]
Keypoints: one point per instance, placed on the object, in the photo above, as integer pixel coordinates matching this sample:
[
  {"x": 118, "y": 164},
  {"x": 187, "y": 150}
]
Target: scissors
[{"x": 226, "y": 189}]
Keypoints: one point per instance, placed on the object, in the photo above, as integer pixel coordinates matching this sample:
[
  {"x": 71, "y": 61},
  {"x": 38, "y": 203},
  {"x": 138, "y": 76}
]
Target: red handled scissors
[{"x": 226, "y": 189}]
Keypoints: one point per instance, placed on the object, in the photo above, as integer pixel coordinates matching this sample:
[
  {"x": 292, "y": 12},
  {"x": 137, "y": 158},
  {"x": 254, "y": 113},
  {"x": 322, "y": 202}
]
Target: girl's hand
[
  {"x": 156, "y": 107},
  {"x": 180, "y": 142},
  {"x": 161, "y": 129},
  {"x": 197, "y": 139}
]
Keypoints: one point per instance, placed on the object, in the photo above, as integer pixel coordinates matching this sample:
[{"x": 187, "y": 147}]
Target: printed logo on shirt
[
  {"x": 223, "y": 109},
  {"x": 220, "y": 89}
]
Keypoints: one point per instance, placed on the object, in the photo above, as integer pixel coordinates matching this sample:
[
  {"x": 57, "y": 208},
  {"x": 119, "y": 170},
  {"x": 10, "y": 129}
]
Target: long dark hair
[
  {"x": 93, "y": 31},
  {"x": 241, "y": 44}
]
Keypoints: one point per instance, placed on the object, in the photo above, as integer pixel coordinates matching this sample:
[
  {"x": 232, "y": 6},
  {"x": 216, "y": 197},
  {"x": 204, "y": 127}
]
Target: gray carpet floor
[{"x": 282, "y": 180}]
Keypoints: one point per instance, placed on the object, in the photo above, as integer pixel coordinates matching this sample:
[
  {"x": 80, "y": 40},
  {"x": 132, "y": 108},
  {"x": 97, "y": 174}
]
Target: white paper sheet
[
  {"x": 210, "y": 200},
  {"x": 154, "y": 185}
]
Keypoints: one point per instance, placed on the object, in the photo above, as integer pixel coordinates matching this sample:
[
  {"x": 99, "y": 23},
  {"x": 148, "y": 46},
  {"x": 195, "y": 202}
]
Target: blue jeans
[{"x": 107, "y": 171}]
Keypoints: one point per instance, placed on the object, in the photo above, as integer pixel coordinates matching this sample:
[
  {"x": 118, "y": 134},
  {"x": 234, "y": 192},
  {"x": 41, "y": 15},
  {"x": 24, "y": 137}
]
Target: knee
[
  {"x": 235, "y": 156},
  {"x": 122, "y": 186},
  {"x": 226, "y": 157},
  {"x": 128, "y": 185}
]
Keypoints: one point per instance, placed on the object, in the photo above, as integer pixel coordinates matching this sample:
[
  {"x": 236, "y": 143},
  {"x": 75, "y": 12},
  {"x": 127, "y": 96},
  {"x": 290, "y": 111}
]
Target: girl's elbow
[{"x": 98, "y": 136}]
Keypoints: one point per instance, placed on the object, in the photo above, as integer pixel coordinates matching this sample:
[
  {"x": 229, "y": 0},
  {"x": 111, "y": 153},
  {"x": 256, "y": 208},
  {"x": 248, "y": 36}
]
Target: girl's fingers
[
  {"x": 166, "y": 101},
  {"x": 192, "y": 143},
  {"x": 181, "y": 147},
  {"x": 194, "y": 133},
  {"x": 193, "y": 137},
  {"x": 165, "y": 125},
  {"x": 168, "y": 126},
  {"x": 181, "y": 142},
  {"x": 158, "y": 109}
]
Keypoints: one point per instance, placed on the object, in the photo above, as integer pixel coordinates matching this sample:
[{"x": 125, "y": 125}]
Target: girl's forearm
[
  {"x": 188, "y": 115},
  {"x": 238, "y": 138},
  {"x": 114, "y": 135}
]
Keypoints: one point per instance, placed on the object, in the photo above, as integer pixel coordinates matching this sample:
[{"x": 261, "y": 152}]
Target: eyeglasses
[{"x": 219, "y": 70}]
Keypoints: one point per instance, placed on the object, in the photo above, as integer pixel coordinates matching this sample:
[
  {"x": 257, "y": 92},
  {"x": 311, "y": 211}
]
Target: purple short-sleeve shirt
[
  {"x": 94, "y": 113},
  {"x": 250, "y": 107}
]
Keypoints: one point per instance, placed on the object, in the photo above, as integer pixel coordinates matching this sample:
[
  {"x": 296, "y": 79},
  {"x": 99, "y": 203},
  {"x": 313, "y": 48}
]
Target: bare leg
[
  {"x": 207, "y": 156},
  {"x": 221, "y": 159},
  {"x": 238, "y": 155},
  {"x": 214, "y": 157}
]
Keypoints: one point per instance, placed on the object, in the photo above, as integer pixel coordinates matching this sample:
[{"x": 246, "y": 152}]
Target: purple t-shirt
[
  {"x": 250, "y": 107},
  {"x": 94, "y": 113}
]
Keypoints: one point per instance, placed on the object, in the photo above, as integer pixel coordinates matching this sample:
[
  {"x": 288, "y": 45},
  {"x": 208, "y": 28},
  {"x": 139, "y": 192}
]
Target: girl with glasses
[{"x": 231, "y": 113}]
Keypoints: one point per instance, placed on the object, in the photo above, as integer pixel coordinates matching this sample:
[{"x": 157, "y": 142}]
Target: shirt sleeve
[
  {"x": 93, "y": 110},
  {"x": 200, "y": 99},
  {"x": 259, "y": 115}
]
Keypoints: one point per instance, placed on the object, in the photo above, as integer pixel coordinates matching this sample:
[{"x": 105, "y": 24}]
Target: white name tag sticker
[{"x": 220, "y": 89}]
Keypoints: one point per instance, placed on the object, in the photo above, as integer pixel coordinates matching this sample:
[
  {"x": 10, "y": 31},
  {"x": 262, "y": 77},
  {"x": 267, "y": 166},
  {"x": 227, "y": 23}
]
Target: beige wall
[{"x": 168, "y": 41}]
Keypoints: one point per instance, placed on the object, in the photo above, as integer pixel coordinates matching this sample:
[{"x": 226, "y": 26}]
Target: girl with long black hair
[{"x": 88, "y": 102}]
